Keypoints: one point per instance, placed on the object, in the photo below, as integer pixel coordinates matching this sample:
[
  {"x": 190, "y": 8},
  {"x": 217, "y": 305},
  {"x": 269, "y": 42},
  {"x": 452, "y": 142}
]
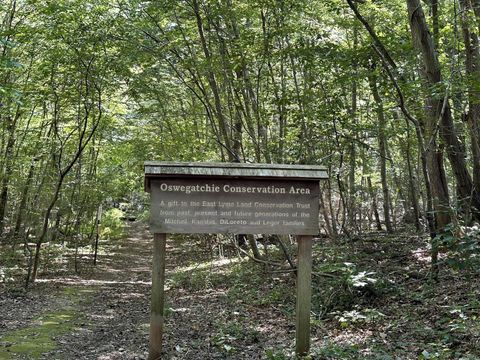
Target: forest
[{"x": 384, "y": 94}]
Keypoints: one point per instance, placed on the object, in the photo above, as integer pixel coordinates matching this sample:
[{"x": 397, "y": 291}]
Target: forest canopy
[{"x": 383, "y": 93}]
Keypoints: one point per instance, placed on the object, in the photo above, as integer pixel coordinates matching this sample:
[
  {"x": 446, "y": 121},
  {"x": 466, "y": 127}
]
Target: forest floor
[{"x": 371, "y": 300}]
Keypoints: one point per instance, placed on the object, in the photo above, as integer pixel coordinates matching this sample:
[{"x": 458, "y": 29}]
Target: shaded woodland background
[{"x": 386, "y": 94}]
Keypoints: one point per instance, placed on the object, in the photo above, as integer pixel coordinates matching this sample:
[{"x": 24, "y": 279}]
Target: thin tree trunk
[
  {"x": 222, "y": 121},
  {"x": 326, "y": 216},
  {"x": 7, "y": 171},
  {"x": 253, "y": 245},
  {"x": 351, "y": 211},
  {"x": 373, "y": 195},
  {"x": 412, "y": 187},
  {"x": 84, "y": 139},
  {"x": 382, "y": 145},
  {"x": 330, "y": 207},
  {"x": 23, "y": 200}
]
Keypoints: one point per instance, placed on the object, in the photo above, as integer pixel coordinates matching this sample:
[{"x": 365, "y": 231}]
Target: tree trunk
[
  {"x": 439, "y": 110},
  {"x": 424, "y": 42},
  {"x": 222, "y": 121},
  {"x": 351, "y": 211},
  {"x": 326, "y": 217},
  {"x": 382, "y": 145},
  {"x": 7, "y": 172},
  {"x": 253, "y": 245},
  {"x": 398, "y": 184},
  {"x": 411, "y": 183},
  {"x": 23, "y": 201},
  {"x": 333, "y": 215},
  {"x": 470, "y": 39},
  {"x": 373, "y": 195}
]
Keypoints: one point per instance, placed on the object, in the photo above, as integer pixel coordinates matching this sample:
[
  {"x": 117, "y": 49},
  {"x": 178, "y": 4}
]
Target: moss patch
[
  {"x": 39, "y": 338},
  {"x": 33, "y": 341},
  {"x": 76, "y": 294}
]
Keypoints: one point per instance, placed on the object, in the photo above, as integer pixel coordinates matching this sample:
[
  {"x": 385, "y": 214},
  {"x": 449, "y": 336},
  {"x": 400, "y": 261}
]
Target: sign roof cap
[{"x": 161, "y": 169}]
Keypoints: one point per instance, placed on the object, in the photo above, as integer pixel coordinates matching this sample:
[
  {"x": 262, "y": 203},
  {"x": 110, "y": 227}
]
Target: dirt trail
[
  {"x": 107, "y": 307},
  {"x": 116, "y": 312},
  {"x": 103, "y": 313}
]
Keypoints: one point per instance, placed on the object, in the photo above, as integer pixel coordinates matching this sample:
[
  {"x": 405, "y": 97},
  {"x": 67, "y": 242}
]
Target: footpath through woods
[
  {"x": 371, "y": 300},
  {"x": 103, "y": 313}
]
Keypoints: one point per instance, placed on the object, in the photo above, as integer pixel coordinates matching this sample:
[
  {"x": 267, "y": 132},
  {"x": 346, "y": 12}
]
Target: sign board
[
  {"x": 239, "y": 199},
  {"x": 237, "y": 206},
  {"x": 233, "y": 198}
]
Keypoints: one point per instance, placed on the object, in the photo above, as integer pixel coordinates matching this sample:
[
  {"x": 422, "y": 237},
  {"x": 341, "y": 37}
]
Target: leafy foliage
[
  {"x": 112, "y": 224},
  {"x": 461, "y": 246}
]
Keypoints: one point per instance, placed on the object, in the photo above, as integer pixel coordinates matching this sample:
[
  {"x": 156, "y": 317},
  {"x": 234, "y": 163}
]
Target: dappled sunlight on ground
[
  {"x": 371, "y": 299},
  {"x": 215, "y": 264},
  {"x": 421, "y": 255},
  {"x": 92, "y": 282}
]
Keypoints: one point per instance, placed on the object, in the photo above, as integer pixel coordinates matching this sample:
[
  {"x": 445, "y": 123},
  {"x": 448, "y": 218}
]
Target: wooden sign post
[
  {"x": 235, "y": 199},
  {"x": 304, "y": 294},
  {"x": 158, "y": 296}
]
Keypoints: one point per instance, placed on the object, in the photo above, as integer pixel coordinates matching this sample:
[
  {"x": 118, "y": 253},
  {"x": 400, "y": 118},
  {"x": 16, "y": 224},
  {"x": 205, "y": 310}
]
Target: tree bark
[
  {"x": 23, "y": 200},
  {"x": 7, "y": 173},
  {"x": 351, "y": 211},
  {"x": 412, "y": 186},
  {"x": 472, "y": 64},
  {"x": 439, "y": 110},
  {"x": 382, "y": 145},
  {"x": 253, "y": 245},
  {"x": 373, "y": 195},
  {"x": 438, "y": 119}
]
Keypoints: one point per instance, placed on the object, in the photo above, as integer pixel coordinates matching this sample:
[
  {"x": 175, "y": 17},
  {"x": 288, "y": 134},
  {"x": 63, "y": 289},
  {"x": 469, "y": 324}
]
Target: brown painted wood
[
  {"x": 158, "y": 297},
  {"x": 237, "y": 206},
  {"x": 304, "y": 294}
]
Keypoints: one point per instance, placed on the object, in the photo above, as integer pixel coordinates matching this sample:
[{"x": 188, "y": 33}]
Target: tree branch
[{"x": 372, "y": 33}]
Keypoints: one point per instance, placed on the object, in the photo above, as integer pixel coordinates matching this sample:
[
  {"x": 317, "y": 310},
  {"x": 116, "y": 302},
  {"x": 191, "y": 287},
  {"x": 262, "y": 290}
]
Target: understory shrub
[{"x": 112, "y": 224}]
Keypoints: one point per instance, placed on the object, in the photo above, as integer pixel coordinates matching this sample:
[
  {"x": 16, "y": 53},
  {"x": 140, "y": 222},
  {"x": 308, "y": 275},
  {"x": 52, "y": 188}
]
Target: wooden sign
[
  {"x": 190, "y": 205},
  {"x": 239, "y": 199}
]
